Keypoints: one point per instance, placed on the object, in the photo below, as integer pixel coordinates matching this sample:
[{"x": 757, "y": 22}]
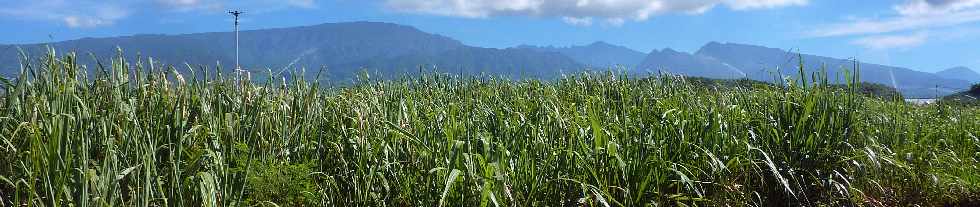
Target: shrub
[{"x": 283, "y": 184}]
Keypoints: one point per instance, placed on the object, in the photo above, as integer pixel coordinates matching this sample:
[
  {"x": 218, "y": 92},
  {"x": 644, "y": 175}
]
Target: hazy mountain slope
[
  {"x": 511, "y": 62},
  {"x": 344, "y": 49},
  {"x": 760, "y": 63},
  {"x": 960, "y": 73},
  {"x": 337, "y": 44},
  {"x": 320, "y": 45},
  {"x": 680, "y": 63},
  {"x": 599, "y": 54}
]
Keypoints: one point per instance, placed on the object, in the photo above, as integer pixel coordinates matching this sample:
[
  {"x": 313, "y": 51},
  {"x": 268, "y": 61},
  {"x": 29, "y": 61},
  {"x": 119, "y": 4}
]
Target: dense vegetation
[
  {"x": 966, "y": 98},
  {"x": 872, "y": 90},
  {"x": 139, "y": 134}
]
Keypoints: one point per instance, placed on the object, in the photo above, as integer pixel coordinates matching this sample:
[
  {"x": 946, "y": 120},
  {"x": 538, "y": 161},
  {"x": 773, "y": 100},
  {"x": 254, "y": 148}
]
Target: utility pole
[{"x": 236, "y": 13}]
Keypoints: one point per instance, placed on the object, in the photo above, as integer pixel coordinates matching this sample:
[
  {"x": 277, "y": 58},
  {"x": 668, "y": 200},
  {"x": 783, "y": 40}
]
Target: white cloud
[
  {"x": 883, "y": 42},
  {"x": 98, "y": 13},
  {"x": 614, "y": 11},
  {"x": 910, "y": 15},
  {"x": 249, "y": 5},
  {"x": 761, "y": 4},
  {"x": 75, "y": 14},
  {"x": 903, "y": 23},
  {"x": 615, "y": 21},
  {"x": 192, "y": 5},
  {"x": 84, "y": 21},
  {"x": 584, "y": 21},
  {"x": 935, "y": 7},
  {"x": 180, "y": 3},
  {"x": 309, "y": 4}
]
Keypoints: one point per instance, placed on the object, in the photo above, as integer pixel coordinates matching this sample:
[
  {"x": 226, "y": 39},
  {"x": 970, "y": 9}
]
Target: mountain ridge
[
  {"x": 961, "y": 73},
  {"x": 764, "y": 63},
  {"x": 682, "y": 63},
  {"x": 387, "y": 48},
  {"x": 599, "y": 54},
  {"x": 337, "y": 46}
]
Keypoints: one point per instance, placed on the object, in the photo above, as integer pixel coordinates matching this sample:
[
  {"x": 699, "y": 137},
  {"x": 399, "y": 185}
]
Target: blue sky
[{"x": 925, "y": 35}]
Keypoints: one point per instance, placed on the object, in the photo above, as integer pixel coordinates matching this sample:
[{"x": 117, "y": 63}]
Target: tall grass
[{"x": 141, "y": 134}]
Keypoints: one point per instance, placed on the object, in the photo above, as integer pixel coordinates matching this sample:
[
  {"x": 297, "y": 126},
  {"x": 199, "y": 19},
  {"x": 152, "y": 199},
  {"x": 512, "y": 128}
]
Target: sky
[{"x": 925, "y": 35}]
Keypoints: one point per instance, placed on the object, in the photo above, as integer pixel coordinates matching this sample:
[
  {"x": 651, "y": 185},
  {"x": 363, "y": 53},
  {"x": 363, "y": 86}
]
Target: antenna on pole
[{"x": 236, "y": 13}]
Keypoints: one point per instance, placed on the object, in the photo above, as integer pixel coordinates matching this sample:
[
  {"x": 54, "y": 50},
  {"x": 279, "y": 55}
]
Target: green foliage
[
  {"x": 877, "y": 90},
  {"x": 728, "y": 84},
  {"x": 965, "y": 98},
  {"x": 283, "y": 184},
  {"x": 139, "y": 134}
]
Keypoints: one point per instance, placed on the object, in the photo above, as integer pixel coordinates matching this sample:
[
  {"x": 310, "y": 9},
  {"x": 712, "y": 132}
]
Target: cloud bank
[
  {"x": 884, "y": 42},
  {"x": 80, "y": 14},
  {"x": 911, "y": 15},
  {"x": 578, "y": 12},
  {"x": 912, "y": 19}
]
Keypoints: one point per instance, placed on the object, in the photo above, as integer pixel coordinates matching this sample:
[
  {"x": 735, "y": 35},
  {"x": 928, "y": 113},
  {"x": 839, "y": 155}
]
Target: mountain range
[
  {"x": 344, "y": 49},
  {"x": 596, "y": 55},
  {"x": 962, "y": 73}
]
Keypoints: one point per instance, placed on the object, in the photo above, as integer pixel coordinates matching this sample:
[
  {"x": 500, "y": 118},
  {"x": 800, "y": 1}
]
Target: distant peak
[
  {"x": 359, "y": 22},
  {"x": 601, "y": 43},
  {"x": 714, "y": 47},
  {"x": 712, "y": 43},
  {"x": 711, "y": 46},
  {"x": 961, "y": 73},
  {"x": 365, "y": 24},
  {"x": 958, "y": 69},
  {"x": 733, "y": 44},
  {"x": 531, "y": 47},
  {"x": 525, "y": 46}
]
